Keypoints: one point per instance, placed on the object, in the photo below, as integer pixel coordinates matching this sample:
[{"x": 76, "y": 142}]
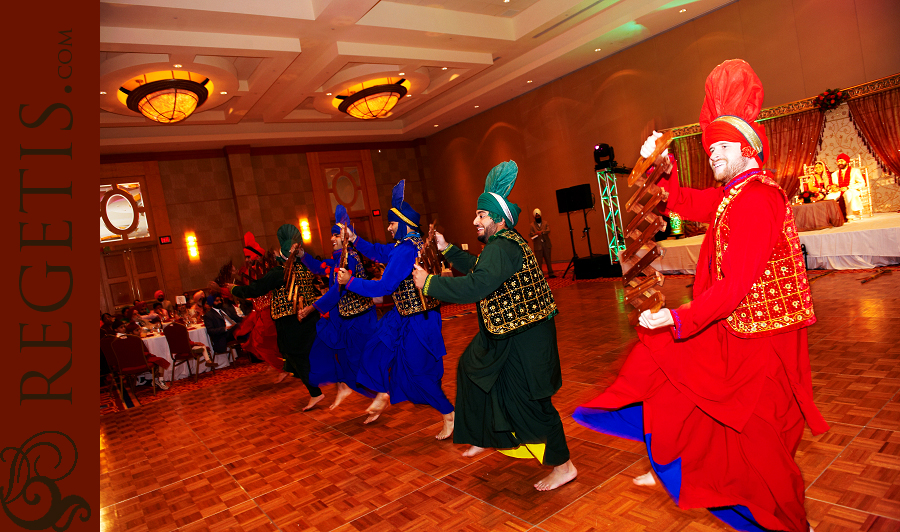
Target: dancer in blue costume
[
  {"x": 403, "y": 360},
  {"x": 348, "y": 320}
]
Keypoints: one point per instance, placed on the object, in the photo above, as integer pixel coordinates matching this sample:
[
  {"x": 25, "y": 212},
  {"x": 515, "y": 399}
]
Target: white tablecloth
[{"x": 158, "y": 346}]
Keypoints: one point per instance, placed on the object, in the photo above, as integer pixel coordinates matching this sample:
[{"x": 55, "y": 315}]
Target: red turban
[
  {"x": 734, "y": 97},
  {"x": 158, "y": 294},
  {"x": 845, "y": 157},
  {"x": 251, "y": 248}
]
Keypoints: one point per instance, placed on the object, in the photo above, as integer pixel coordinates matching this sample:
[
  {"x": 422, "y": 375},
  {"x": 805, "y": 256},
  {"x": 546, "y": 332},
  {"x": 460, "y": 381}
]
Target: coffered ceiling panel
[{"x": 276, "y": 67}]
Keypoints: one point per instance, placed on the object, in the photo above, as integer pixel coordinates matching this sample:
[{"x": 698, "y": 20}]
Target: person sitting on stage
[
  {"x": 851, "y": 184},
  {"x": 404, "y": 359},
  {"x": 720, "y": 389},
  {"x": 508, "y": 374}
]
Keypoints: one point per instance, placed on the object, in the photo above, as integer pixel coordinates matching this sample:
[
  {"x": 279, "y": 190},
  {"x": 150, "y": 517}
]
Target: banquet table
[
  {"x": 157, "y": 345},
  {"x": 817, "y": 215}
]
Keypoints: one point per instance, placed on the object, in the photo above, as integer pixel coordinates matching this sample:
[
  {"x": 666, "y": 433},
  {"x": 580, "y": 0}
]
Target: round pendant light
[
  {"x": 372, "y": 102},
  {"x": 167, "y": 101}
]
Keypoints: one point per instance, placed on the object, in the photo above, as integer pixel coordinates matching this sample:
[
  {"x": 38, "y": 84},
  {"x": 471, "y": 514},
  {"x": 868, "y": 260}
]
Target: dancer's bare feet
[
  {"x": 377, "y": 407},
  {"x": 645, "y": 480},
  {"x": 313, "y": 401},
  {"x": 342, "y": 392},
  {"x": 560, "y": 475},
  {"x": 281, "y": 376},
  {"x": 472, "y": 451},
  {"x": 447, "y": 430}
]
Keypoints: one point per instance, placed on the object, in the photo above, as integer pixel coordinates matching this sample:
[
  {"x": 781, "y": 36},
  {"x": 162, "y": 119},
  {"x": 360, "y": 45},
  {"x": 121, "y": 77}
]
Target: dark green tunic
[
  {"x": 503, "y": 385},
  {"x": 295, "y": 338}
]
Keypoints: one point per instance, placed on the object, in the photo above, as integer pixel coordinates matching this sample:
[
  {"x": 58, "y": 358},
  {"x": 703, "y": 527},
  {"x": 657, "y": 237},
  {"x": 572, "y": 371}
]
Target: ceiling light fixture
[
  {"x": 445, "y": 68},
  {"x": 683, "y": 10},
  {"x": 529, "y": 81},
  {"x": 177, "y": 65},
  {"x": 597, "y": 49},
  {"x": 102, "y": 92},
  {"x": 372, "y": 102},
  {"x": 168, "y": 96},
  {"x": 402, "y": 73},
  {"x": 476, "y": 107},
  {"x": 223, "y": 92}
]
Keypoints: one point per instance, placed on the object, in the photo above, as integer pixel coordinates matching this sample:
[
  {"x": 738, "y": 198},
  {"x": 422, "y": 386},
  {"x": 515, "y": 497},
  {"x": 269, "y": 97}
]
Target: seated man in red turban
[
  {"x": 850, "y": 182},
  {"x": 720, "y": 389}
]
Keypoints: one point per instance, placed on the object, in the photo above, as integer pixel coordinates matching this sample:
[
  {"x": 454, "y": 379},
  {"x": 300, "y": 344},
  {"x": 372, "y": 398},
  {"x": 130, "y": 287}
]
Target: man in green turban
[
  {"x": 509, "y": 372},
  {"x": 296, "y": 329}
]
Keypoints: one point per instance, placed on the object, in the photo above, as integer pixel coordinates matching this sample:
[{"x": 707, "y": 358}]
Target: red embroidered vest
[{"x": 780, "y": 299}]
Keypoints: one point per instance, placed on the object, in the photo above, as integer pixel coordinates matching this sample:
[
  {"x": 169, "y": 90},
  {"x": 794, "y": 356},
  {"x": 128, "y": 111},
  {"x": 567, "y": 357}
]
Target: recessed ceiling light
[
  {"x": 476, "y": 107},
  {"x": 176, "y": 66},
  {"x": 435, "y": 125},
  {"x": 409, "y": 95},
  {"x": 529, "y": 81},
  {"x": 597, "y": 49},
  {"x": 505, "y": 1},
  {"x": 445, "y": 68},
  {"x": 327, "y": 94},
  {"x": 224, "y": 92},
  {"x": 402, "y": 74},
  {"x": 102, "y": 92},
  {"x": 683, "y": 10}
]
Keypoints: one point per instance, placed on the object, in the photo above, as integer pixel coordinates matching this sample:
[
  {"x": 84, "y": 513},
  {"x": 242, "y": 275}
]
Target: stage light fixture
[{"x": 604, "y": 156}]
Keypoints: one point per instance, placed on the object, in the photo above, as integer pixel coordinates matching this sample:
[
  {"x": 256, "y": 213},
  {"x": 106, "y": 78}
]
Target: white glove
[
  {"x": 650, "y": 145},
  {"x": 663, "y": 318}
]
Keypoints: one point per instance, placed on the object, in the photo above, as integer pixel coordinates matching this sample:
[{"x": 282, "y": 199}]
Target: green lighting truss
[{"x": 612, "y": 216}]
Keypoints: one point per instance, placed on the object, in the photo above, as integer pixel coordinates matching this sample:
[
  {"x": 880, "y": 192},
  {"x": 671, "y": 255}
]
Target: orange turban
[
  {"x": 734, "y": 96},
  {"x": 251, "y": 247}
]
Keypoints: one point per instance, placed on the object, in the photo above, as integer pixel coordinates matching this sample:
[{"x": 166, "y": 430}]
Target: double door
[{"x": 128, "y": 274}]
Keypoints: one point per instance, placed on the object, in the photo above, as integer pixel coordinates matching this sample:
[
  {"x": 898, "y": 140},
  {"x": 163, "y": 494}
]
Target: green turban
[
  {"x": 287, "y": 235},
  {"x": 499, "y": 183}
]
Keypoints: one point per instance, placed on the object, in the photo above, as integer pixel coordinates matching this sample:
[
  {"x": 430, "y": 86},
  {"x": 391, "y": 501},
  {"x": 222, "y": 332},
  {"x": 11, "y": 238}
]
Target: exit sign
[
  {"x": 165, "y": 239},
  {"x": 376, "y": 212}
]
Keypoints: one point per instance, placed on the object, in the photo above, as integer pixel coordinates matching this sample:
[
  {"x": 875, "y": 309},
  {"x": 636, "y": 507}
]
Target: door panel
[{"x": 127, "y": 275}]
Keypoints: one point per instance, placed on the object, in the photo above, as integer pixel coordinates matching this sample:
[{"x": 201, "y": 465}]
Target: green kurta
[
  {"x": 503, "y": 385},
  {"x": 295, "y": 338}
]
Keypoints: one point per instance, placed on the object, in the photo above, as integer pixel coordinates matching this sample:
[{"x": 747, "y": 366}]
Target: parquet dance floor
[{"x": 241, "y": 456}]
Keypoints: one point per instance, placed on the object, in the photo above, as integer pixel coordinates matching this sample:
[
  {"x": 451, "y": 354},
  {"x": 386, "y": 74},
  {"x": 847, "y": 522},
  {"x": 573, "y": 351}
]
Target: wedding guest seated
[
  {"x": 160, "y": 363},
  {"x": 107, "y": 324},
  {"x": 166, "y": 304},
  {"x": 196, "y": 310},
  {"x": 219, "y": 323},
  {"x": 160, "y": 312},
  {"x": 133, "y": 320}
]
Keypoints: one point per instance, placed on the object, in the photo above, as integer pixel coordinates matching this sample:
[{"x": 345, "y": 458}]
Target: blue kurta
[
  {"x": 340, "y": 342},
  {"x": 404, "y": 357}
]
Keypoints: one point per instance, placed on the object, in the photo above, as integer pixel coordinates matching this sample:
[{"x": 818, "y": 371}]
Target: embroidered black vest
[
  {"x": 522, "y": 301},
  {"x": 406, "y": 297},
  {"x": 283, "y": 298},
  {"x": 352, "y": 304}
]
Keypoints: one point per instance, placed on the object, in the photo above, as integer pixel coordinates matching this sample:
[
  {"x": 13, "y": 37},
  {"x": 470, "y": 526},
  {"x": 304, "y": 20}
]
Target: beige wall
[
  {"x": 798, "y": 48},
  {"x": 219, "y": 198}
]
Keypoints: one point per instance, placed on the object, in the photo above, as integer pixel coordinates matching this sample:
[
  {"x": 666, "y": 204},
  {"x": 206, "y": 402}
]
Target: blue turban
[
  {"x": 341, "y": 218},
  {"x": 401, "y": 212}
]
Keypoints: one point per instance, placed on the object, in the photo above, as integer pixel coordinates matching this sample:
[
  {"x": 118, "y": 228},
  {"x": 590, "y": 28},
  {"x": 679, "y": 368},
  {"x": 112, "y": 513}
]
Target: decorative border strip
[{"x": 857, "y": 91}]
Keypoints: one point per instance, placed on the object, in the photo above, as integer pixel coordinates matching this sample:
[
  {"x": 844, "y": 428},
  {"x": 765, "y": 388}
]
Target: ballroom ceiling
[{"x": 276, "y": 65}]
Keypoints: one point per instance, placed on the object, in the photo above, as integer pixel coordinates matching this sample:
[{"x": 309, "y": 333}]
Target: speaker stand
[{"x": 574, "y": 254}]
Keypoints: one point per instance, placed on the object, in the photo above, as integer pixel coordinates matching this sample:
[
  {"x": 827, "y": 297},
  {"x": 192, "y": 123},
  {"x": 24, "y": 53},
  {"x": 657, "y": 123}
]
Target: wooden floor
[{"x": 241, "y": 456}]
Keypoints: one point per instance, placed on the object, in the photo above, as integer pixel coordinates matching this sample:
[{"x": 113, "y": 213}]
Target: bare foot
[
  {"x": 313, "y": 401},
  {"x": 448, "y": 427},
  {"x": 342, "y": 392},
  {"x": 559, "y": 476},
  {"x": 281, "y": 376},
  {"x": 645, "y": 480},
  {"x": 472, "y": 451},
  {"x": 377, "y": 407}
]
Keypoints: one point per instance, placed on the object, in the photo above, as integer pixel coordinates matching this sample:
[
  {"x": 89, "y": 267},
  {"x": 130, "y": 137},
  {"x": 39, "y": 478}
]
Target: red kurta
[
  {"x": 263, "y": 340},
  {"x": 731, "y": 408}
]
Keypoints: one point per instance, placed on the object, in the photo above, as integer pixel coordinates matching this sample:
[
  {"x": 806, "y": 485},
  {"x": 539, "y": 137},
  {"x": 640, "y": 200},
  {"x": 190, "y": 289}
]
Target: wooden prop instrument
[
  {"x": 642, "y": 292},
  {"x": 293, "y": 294},
  {"x": 430, "y": 259},
  {"x": 345, "y": 247}
]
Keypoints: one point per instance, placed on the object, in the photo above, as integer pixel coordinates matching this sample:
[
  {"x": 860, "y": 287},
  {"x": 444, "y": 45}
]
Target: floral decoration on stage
[{"x": 830, "y": 99}]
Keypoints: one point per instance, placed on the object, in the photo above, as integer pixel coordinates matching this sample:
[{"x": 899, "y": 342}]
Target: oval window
[
  {"x": 345, "y": 190},
  {"x": 120, "y": 211}
]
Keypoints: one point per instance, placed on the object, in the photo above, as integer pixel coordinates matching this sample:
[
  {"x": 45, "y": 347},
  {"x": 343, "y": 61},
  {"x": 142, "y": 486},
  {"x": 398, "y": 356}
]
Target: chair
[
  {"x": 182, "y": 349},
  {"x": 110, "y": 356},
  {"x": 131, "y": 360}
]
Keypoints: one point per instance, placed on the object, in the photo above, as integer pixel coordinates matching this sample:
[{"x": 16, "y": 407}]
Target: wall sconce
[
  {"x": 304, "y": 231},
  {"x": 193, "y": 252}
]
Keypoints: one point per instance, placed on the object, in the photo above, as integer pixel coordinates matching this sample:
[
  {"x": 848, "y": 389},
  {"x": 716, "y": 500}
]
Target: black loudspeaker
[
  {"x": 574, "y": 198},
  {"x": 596, "y": 266}
]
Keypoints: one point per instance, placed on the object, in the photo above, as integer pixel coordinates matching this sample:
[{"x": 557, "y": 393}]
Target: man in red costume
[{"x": 722, "y": 384}]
